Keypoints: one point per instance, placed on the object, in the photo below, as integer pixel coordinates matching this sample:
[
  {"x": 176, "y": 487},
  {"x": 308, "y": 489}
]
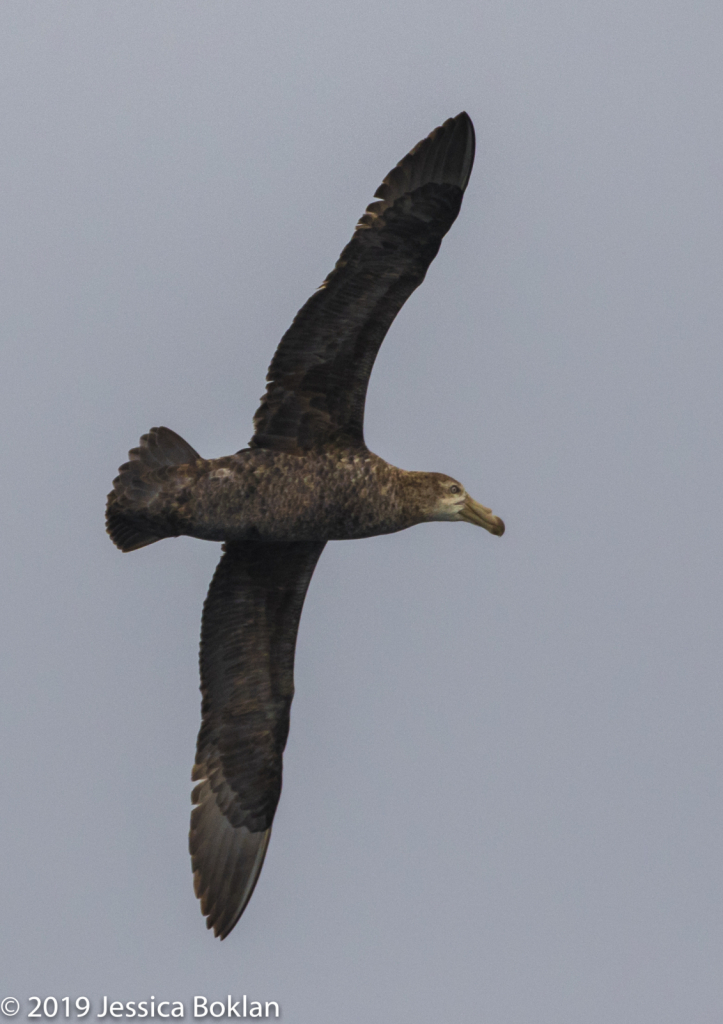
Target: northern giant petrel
[{"x": 307, "y": 477}]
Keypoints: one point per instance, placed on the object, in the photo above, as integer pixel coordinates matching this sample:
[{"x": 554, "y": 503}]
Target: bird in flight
[{"x": 307, "y": 477}]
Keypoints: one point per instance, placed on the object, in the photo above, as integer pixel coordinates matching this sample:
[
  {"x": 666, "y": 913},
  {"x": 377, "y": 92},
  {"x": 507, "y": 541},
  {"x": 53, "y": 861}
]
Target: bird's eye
[{"x": 454, "y": 489}]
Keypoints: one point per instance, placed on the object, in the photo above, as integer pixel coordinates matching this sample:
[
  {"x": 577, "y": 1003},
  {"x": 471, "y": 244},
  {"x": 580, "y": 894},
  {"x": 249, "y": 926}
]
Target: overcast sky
[{"x": 503, "y": 790}]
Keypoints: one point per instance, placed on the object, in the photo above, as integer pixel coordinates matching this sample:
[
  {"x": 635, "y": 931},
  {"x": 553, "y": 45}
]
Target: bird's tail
[{"x": 129, "y": 516}]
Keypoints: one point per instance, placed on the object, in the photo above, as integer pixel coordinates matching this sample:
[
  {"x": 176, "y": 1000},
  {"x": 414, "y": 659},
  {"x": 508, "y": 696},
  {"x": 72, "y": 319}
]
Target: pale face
[{"x": 454, "y": 505}]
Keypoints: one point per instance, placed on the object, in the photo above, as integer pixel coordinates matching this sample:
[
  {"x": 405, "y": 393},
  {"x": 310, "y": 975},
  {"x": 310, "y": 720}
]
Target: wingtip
[
  {"x": 464, "y": 129},
  {"x": 226, "y": 861},
  {"x": 444, "y": 157}
]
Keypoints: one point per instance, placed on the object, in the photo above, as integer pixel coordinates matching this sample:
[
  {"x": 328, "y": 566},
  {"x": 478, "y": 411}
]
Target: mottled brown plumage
[{"x": 306, "y": 478}]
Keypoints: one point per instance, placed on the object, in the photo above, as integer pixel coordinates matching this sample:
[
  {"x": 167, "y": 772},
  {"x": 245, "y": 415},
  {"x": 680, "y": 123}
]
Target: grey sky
[{"x": 502, "y": 796}]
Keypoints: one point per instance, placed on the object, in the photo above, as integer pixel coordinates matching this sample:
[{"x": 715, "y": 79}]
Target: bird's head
[{"x": 444, "y": 499}]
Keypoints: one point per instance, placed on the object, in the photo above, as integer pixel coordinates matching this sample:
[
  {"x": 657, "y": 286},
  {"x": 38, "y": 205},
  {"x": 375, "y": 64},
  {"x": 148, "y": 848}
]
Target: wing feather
[
  {"x": 318, "y": 378},
  {"x": 248, "y": 636}
]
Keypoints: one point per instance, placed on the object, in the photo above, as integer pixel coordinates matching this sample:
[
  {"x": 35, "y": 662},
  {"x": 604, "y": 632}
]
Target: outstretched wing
[
  {"x": 319, "y": 375},
  {"x": 248, "y": 635}
]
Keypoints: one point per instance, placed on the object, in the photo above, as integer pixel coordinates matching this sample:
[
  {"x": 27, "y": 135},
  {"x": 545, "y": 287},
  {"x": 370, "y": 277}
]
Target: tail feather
[
  {"x": 163, "y": 447},
  {"x": 129, "y": 521},
  {"x": 124, "y": 532}
]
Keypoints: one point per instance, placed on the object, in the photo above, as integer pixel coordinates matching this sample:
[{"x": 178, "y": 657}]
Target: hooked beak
[{"x": 480, "y": 515}]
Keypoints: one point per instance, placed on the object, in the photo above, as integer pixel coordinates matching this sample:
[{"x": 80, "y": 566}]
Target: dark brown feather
[
  {"x": 140, "y": 485},
  {"x": 248, "y": 636},
  {"x": 319, "y": 375}
]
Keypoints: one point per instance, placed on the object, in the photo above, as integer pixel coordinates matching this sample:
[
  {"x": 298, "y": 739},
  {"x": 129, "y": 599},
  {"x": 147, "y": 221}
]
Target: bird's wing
[
  {"x": 318, "y": 378},
  {"x": 248, "y": 635}
]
